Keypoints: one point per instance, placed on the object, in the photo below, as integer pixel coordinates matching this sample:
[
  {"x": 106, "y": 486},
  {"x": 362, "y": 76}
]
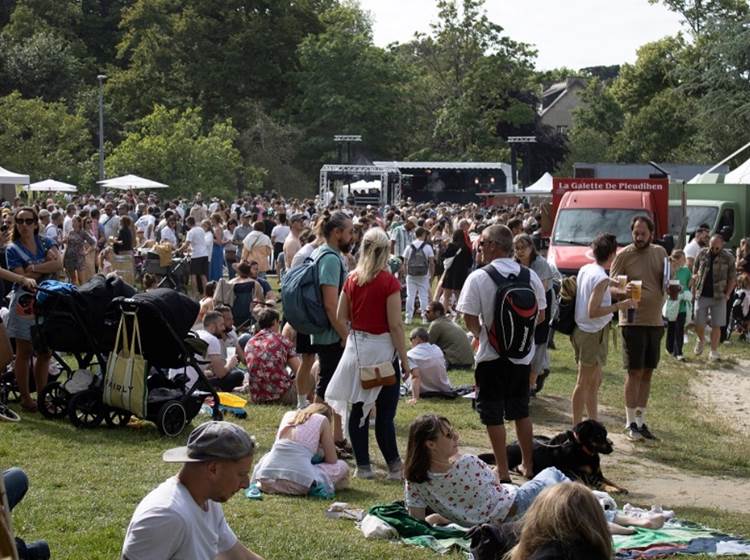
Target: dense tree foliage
[{"x": 221, "y": 95}]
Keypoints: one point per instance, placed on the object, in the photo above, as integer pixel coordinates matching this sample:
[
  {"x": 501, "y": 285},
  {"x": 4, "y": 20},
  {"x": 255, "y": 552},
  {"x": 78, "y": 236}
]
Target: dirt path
[
  {"x": 727, "y": 390},
  {"x": 649, "y": 482}
]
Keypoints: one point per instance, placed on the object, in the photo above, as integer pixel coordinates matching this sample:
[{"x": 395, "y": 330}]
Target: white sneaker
[
  {"x": 364, "y": 473},
  {"x": 713, "y": 356},
  {"x": 395, "y": 472},
  {"x": 699, "y": 347},
  {"x": 680, "y": 357}
]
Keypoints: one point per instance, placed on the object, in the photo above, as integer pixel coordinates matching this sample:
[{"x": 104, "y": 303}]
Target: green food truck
[{"x": 723, "y": 207}]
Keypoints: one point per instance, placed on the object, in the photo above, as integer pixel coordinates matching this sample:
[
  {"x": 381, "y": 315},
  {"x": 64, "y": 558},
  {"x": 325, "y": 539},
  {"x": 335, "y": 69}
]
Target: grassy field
[{"x": 85, "y": 484}]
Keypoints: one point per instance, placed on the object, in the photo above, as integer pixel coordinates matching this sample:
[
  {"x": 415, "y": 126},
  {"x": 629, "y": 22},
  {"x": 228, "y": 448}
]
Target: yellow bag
[
  {"x": 125, "y": 380},
  {"x": 231, "y": 400}
]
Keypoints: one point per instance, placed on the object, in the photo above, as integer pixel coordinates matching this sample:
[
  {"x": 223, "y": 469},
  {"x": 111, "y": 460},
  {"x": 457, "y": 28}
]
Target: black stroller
[
  {"x": 165, "y": 317},
  {"x": 72, "y": 321}
]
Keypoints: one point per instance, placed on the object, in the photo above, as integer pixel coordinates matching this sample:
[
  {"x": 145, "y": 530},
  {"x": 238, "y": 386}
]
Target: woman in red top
[{"x": 371, "y": 302}]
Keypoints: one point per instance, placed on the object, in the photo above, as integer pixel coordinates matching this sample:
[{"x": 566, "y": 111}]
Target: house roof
[{"x": 557, "y": 91}]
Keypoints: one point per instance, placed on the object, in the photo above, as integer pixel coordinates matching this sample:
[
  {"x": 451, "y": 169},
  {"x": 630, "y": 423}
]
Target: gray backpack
[{"x": 418, "y": 263}]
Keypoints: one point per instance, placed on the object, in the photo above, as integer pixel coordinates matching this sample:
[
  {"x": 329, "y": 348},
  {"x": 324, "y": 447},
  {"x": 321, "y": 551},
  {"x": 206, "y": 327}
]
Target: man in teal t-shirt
[{"x": 329, "y": 345}]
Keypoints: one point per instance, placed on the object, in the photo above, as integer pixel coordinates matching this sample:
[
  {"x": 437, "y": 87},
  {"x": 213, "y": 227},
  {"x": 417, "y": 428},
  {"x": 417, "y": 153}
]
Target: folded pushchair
[
  {"x": 164, "y": 318},
  {"x": 70, "y": 319}
]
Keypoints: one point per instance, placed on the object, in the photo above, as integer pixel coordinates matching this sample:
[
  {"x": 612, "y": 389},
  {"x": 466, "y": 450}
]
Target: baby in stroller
[{"x": 741, "y": 307}]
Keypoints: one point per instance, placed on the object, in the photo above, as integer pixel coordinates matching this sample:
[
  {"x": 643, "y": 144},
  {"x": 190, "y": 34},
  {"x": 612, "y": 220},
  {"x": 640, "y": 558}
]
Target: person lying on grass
[
  {"x": 459, "y": 488},
  {"x": 463, "y": 489}
]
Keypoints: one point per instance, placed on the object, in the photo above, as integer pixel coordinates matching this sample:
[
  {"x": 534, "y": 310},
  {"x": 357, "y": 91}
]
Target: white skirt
[{"x": 345, "y": 387}]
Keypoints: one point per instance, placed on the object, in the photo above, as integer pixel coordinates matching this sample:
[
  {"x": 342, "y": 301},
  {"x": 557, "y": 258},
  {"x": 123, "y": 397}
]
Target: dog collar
[{"x": 585, "y": 449}]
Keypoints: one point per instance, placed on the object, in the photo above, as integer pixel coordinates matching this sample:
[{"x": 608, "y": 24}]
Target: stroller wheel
[
  {"x": 171, "y": 419},
  {"x": 8, "y": 379},
  {"x": 8, "y": 415},
  {"x": 53, "y": 401},
  {"x": 117, "y": 418},
  {"x": 85, "y": 409}
]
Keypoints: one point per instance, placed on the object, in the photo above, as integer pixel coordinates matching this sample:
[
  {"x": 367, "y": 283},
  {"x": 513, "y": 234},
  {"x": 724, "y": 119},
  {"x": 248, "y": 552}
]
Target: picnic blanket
[
  {"x": 677, "y": 537},
  {"x": 414, "y": 532}
]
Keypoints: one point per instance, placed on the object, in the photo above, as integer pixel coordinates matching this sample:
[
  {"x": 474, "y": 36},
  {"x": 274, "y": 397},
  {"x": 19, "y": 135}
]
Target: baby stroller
[
  {"x": 164, "y": 318},
  {"x": 71, "y": 320}
]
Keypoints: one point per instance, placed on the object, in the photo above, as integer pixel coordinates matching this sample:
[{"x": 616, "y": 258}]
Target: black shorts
[
  {"x": 303, "y": 344},
  {"x": 641, "y": 347},
  {"x": 502, "y": 391},
  {"x": 328, "y": 357},
  {"x": 199, "y": 266}
]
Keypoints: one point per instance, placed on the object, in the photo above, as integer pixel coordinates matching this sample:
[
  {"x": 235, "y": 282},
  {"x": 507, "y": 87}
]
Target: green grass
[{"x": 86, "y": 484}]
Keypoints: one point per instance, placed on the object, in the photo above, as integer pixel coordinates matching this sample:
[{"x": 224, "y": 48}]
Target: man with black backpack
[
  {"x": 419, "y": 263},
  {"x": 502, "y": 302}
]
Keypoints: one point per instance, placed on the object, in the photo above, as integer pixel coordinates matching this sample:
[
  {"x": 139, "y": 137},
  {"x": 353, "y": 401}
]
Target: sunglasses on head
[{"x": 27, "y": 221}]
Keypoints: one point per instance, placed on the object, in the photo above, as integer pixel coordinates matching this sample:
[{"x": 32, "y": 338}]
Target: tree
[
  {"x": 43, "y": 65},
  {"x": 42, "y": 139},
  {"x": 663, "y": 130},
  {"x": 169, "y": 145},
  {"x": 599, "y": 111},
  {"x": 699, "y": 13},
  {"x": 653, "y": 72},
  {"x": 348, "y": 85}
]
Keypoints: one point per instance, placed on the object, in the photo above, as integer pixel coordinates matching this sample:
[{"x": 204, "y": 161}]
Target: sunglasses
[{"x": 27, "y": 221}]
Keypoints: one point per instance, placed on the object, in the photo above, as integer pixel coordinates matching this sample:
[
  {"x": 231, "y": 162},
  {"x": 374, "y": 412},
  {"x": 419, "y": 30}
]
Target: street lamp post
[{"x": 101, "y": 78}]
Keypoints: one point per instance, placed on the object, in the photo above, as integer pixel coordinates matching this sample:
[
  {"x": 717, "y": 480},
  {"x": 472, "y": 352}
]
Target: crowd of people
[{"x": 442, "y": 269}]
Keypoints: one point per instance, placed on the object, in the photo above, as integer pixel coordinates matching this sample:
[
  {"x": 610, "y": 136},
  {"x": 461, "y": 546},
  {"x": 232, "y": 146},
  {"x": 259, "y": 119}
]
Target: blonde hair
[
  {"x": 565, "y": 514},
  {"x": 373, "y": 255},
  {"x": 303, "y": 415}
]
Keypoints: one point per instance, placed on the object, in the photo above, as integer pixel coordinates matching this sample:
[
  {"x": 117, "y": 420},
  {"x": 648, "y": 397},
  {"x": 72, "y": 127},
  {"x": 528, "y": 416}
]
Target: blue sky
[{"x": 572, "y": 33}]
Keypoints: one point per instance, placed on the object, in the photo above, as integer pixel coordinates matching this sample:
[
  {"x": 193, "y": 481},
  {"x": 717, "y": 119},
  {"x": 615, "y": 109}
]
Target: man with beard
[
  {"x": 714, "y": 278},
  {"x": 700, "y": 240},
  {"x": 642, "y": 328},
  {"x": 329, "y": 345}
]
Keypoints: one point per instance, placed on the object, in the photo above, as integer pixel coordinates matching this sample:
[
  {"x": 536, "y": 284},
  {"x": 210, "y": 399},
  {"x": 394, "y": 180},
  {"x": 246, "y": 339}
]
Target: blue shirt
[
  {"x": 16, "y": 255},
  {"x": 329, "y": 274}
]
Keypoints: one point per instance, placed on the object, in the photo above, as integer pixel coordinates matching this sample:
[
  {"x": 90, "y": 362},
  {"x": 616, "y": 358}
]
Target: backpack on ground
[
  {"x": 565, "y": 321},
  {"x": 301, "y": 298},
  {"x": 512, "y": 331},
  {"x": 418, "y": 264}
]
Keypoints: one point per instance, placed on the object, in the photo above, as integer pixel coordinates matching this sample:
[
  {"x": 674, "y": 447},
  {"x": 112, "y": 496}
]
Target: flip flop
[{"x": 29, "y": 406}]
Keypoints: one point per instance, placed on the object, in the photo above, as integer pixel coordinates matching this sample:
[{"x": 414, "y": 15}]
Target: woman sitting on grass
[
  {"x": 461, "y": 489},
  {"x": 304, "y": 436}
]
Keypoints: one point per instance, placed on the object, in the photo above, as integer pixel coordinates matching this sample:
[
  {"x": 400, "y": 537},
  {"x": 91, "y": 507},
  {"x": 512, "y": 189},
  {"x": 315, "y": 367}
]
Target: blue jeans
[
  {"x": 528, "y": 492},
  {"x": 385, "y": 428}
]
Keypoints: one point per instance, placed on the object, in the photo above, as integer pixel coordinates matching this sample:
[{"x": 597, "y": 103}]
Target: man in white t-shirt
[
  {"x": 700, "y": 240},
  {"x": 196, "y": 240},
  {"x": 427, "y": 365},
  {"x": 147, "y": 224},
  {"x": 279, "y": 233},
  {"x": 419, "y": 265},
  {"x": 183, "y": 517},
  {"x": 502, "y": 383}
]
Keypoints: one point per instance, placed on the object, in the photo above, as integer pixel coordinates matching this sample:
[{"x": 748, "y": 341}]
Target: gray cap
[
  {"x": 212, "y": 441},
  {"x": 298, "y": 217}
]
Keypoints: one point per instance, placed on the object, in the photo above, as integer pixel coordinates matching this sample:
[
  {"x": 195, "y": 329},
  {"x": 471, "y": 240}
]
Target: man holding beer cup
[{"x": 642, "y": 327}]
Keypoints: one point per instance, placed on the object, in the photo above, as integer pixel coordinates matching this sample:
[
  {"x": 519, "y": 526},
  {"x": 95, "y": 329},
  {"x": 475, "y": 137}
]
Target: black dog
[{"x": 575, "y": 452}]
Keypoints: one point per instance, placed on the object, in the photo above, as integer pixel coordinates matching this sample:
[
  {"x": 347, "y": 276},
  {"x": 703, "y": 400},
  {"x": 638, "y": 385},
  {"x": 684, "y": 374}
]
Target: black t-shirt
[
  {"x": 708, "y": 282},
  {"x": 126, "y": 237}
]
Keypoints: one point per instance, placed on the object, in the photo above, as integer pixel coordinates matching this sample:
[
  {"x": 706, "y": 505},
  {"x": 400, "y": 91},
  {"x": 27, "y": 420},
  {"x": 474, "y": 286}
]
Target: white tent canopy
[
  {"x": 543, "y": 185},
  {"x": 10, "y": 178},
  {"x": 739, "y": 175},
  {"x": 130, "y": 182},
  {"x": 50, "y": 185},
  {"x": 365, "y": 185}
]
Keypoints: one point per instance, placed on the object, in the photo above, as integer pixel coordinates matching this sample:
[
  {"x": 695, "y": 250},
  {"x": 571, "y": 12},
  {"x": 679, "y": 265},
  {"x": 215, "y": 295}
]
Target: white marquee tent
[
  {"x": 130, "y": 182},
  {"x": 740, "y": 175},
  {"x": 50, "y": 185},
  {"x": 10, "y": 178},
  {"x": 543, "y": 185}
]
